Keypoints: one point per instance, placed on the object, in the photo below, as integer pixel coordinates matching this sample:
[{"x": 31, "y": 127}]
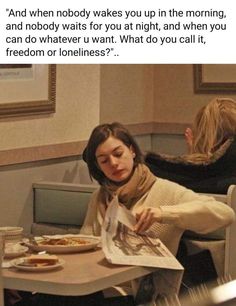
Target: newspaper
[{"x": 121, "y": 245}]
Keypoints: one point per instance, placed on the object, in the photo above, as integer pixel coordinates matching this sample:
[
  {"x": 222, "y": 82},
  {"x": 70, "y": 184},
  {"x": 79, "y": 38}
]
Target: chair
[
  {"x": 221, "y": 293},
  {"x": 221, "y": 243},
  {"x": 230, "y": 242}
]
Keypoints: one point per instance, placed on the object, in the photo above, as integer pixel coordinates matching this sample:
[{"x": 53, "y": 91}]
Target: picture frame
[
  {"x": 214, "y": 78},
  {"x": 27, "y": 90}
]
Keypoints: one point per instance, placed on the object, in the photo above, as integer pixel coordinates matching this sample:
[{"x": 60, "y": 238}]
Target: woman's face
[{"x": 115, "y": 159}]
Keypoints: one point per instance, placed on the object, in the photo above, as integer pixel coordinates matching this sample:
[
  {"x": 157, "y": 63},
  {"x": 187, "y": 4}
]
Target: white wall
[{"x": 77, "y": 112}]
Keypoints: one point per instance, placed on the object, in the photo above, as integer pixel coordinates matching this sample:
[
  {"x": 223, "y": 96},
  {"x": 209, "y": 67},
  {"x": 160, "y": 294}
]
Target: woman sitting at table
[
  {"x": 162, "y": 208},
  {"x": 210, "y": 166}
]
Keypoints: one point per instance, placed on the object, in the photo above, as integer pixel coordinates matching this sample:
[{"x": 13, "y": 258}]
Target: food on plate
[
  {"x": 64, "y": 241},
  {"x": 13, "y": 247},
  {"x": 14, "y": 250},
  {"x": 55, "y": 244},
  {"x": 39, "y": 260}
]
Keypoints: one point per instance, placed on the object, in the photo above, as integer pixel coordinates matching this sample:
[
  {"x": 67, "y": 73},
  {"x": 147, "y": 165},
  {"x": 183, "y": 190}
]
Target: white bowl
[{"x": 12, "y": 232}]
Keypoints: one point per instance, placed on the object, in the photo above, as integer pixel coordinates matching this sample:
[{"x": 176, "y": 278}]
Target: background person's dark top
[{"x": 214, "y": 176}]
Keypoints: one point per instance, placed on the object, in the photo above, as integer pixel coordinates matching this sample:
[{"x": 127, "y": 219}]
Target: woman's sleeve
[{"x": 196, "y": 212}]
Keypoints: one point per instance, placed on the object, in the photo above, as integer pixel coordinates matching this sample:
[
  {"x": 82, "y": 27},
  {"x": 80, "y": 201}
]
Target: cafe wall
[
  {"x": 89, "y": 94},
  {"x": 162, "y": 93},
  {"x": 126, "y": 93},
  {"x": 174, "y": 96}
]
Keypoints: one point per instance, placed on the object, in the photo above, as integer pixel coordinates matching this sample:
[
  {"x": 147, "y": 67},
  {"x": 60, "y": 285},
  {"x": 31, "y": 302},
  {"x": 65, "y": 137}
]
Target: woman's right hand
[
  {"x": 189, "y": 138},
  {"x": 146, "y": 217}
]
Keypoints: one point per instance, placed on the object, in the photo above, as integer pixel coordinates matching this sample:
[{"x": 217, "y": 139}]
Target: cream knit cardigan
[{"x": 181, "y": 208}]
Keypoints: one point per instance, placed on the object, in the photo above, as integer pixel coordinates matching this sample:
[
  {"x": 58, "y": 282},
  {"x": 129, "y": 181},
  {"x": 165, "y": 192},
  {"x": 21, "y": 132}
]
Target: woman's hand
[
  {"x": 146, "y": 217},
  {"x": 189, "y": 138}
]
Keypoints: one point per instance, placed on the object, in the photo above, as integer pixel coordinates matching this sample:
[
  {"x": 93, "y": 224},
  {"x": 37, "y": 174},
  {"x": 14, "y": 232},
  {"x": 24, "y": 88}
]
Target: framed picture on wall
[
  {"x": 215, "y": 78},
  {"x": 27, "y": 89}
]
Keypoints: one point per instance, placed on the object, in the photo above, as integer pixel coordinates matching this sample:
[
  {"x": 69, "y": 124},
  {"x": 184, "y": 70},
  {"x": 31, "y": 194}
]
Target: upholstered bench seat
[{"x": 59, "y": 208}]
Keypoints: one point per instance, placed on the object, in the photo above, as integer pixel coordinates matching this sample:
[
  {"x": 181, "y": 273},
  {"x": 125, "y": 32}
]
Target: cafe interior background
[{"x": 156, "y": 102}]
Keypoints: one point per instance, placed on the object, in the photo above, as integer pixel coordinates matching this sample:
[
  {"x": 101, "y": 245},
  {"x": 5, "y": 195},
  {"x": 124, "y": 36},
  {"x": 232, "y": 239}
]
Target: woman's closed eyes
[{"x": 116, "y": 154}]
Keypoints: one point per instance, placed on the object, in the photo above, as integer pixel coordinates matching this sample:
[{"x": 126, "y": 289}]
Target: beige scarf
[{"x": 130, "y": 192}]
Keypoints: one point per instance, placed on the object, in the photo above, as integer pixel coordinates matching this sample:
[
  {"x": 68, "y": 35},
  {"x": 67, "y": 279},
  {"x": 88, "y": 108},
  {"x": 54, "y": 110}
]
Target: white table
[{"x": 83, "y": 273}]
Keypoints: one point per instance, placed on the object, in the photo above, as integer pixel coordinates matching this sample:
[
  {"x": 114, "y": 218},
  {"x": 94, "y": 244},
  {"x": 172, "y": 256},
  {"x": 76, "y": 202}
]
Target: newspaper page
[{"x": 121, "y": 245}]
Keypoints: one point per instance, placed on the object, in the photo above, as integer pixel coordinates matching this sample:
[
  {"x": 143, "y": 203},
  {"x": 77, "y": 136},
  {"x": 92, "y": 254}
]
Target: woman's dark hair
[{"x": 99, "y": 135}]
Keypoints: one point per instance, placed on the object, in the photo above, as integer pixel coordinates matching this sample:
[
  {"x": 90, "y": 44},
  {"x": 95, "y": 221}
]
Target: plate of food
[
  {"x": 13, "y": 250},
  {"x": 64, "y": 243},
  {"x": 38, "y": 263}
]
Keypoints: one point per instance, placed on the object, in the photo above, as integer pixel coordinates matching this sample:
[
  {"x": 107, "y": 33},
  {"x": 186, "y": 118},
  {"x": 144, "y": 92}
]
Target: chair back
[
  {"x": 230, "y": 239},
  {"x": 222, "y": 241}
]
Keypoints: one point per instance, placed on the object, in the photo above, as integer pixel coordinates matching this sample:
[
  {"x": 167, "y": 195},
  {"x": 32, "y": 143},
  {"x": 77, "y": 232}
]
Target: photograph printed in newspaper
[{"x": 121, "y": 245}]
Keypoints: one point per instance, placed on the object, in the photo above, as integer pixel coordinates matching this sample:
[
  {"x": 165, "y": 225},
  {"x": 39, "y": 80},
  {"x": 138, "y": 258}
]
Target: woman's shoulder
[
  {"x": 228, "y": 148},
  {"x": 164, "y": 191},
  {"x": 165, "y": 185}
]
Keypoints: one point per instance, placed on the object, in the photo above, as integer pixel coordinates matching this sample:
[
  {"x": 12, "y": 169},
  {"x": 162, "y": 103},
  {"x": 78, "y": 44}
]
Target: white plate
[
  {"x": 16, "y": 263},
  {"x": 63, "y": 249},
  {"x": 15, "y": 251}
]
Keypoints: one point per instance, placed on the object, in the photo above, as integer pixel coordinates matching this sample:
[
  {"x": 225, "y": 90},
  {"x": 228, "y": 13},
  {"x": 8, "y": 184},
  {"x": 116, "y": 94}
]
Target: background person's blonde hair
[{"x": 213, "y": 125}]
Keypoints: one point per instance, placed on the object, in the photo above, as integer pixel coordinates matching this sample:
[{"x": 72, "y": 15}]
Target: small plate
[
  {"x": 14, "y": 250},
  {"x": 16, "y": 263},
  {"x": 92, "y": 243}
]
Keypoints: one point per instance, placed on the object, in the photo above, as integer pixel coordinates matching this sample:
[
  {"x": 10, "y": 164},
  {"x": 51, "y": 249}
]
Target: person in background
[
  {"x": 214, "y": 124},
  {"x": 210, "y": 165},
  {"x": 162, "y": 208}
]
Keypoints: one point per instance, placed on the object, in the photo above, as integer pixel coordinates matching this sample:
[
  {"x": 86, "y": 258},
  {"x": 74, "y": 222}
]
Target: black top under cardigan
[{"x": 213, "y": 176}]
